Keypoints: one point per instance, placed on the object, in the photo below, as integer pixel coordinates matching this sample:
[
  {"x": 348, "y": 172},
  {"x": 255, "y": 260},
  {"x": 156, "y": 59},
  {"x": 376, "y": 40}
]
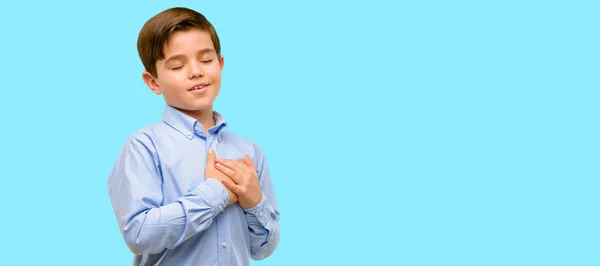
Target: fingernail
[
  {"x": 210, "y": 150},
  {"x": 218, "y": 165}
]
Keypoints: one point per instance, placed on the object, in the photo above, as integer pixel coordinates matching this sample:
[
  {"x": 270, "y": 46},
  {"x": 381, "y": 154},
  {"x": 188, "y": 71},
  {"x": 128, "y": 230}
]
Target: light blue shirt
[{"x": 170, "y": 214}]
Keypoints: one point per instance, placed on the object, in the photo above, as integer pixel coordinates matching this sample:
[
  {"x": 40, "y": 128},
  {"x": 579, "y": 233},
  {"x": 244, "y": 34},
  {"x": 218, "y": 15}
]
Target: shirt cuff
[
  {"x": 215, "y": 194},
  {"x": 260, "y": 213}
]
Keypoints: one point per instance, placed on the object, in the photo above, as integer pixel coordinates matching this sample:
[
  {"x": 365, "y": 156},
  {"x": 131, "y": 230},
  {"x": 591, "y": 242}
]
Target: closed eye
[
  {"x": 206, "y": 61},
  {"x": 176, "y": 68}
]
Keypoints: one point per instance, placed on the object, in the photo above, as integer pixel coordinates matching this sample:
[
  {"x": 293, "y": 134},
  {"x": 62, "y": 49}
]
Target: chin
[{"x": 191, "y": 107}]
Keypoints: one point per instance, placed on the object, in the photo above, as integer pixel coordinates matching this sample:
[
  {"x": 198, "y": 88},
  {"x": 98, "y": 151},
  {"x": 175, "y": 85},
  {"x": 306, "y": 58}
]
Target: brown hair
[{"x": 157, "y": 30}]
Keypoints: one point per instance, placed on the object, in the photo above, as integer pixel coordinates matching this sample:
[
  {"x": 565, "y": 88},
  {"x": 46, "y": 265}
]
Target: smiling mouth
[{"x": 198, "y": 87}]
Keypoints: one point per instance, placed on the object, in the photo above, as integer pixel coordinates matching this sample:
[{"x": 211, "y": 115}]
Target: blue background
[{"x": 397, "y": 133}]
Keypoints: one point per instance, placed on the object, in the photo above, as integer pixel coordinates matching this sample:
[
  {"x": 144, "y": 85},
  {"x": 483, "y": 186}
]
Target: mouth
[{"x": 198, "y": 88}]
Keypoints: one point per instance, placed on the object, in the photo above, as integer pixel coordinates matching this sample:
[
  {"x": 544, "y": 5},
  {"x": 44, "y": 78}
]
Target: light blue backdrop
[{"x": 397, "y": 133}]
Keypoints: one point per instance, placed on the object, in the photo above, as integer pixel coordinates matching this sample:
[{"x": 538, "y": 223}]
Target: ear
[
  {"x": 151, "y": 82},
  {"x": 222, "y": 62}
]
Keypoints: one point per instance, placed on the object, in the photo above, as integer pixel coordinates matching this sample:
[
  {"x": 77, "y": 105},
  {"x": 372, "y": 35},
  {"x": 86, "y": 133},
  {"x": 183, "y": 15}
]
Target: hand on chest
[{"x": 183, "y": 169}]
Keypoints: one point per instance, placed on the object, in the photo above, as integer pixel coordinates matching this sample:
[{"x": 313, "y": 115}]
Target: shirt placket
[{"x": 222, "y": 223}]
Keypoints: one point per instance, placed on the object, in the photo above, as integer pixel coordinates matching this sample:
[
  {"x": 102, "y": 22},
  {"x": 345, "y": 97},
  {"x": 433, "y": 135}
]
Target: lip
[{"x": 200, "y": 91}]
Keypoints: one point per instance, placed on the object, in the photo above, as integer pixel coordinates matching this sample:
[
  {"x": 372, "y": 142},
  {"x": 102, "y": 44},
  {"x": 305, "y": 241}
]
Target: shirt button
[
  {"x": 260, "y": 213},
  {"x": 196, "y": 128},
  {"x": 224, "y": 244},
  {"x": 189, "y": 133}
]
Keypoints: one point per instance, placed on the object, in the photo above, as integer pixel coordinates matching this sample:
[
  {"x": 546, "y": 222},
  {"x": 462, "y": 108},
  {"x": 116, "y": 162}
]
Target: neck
[{"x": 204, "y": 117}]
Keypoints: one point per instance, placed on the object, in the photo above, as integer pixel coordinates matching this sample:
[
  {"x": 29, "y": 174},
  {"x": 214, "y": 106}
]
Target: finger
[
  {"x": 235, "y": 165},
  {"x": 231, "y": 161},
  {"x": 248, "y": 162},
  {"x": 231, "y": 186},
  {"x": 235, "y": 177}
]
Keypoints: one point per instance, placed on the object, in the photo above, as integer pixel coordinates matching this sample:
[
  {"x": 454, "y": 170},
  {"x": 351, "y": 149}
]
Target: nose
[{"x": 195, "y": 70}]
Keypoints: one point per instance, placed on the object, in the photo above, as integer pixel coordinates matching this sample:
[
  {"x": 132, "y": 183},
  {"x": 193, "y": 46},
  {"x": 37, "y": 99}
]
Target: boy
[{"x": 185, "y": 191}]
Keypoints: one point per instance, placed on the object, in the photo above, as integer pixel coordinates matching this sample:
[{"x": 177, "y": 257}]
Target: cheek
[
  {"x": 172, "y": 79},
  {"x": 215, "y": 73}
]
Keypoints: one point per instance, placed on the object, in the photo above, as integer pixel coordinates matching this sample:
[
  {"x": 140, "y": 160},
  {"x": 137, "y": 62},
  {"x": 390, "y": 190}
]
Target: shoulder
[{"x": 146, "y": 137}]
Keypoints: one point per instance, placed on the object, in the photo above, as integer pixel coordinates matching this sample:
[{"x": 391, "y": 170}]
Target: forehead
[{"x": 188, "y": 42}]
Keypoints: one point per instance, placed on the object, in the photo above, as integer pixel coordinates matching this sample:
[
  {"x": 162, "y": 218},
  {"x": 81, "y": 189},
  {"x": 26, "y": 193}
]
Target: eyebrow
[{"x": 200, "y": 52}]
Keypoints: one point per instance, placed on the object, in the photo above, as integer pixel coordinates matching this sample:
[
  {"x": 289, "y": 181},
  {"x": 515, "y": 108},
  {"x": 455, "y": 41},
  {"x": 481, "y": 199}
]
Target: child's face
[{"x": 190, "y": 75}]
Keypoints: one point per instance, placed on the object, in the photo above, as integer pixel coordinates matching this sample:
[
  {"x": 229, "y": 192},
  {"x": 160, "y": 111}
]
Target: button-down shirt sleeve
[
  {"x": 263, "y": 219},
  {"x": 135, "y": 189}
]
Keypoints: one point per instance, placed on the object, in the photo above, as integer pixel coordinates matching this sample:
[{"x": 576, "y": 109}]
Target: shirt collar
[{"x": 189, "y": 126}]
